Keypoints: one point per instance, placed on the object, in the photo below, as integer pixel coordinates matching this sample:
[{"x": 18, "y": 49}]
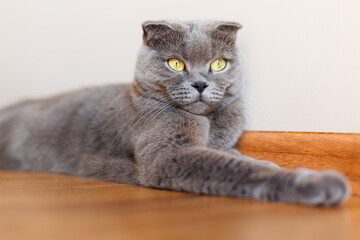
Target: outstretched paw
[{"x": 327, "y": 188}]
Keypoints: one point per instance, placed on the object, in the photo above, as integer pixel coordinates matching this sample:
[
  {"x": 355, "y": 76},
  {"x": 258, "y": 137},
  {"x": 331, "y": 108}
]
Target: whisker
[
  {"x": 143, "y": 110},
  {"x": 147, "y": 114},
  {"x": 154, "y": 115}
]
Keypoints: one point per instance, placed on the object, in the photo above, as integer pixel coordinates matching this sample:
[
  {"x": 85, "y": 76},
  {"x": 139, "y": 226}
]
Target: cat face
[{"x": 191, "y": 65}]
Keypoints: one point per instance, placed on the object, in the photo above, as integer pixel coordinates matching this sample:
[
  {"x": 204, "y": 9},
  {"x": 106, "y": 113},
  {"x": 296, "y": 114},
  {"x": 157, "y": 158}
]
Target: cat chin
[{"x": 198, "y": 107}]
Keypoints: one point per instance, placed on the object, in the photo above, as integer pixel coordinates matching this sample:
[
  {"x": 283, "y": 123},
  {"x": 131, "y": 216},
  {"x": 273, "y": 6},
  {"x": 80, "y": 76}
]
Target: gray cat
[{"x": 174, "y": 127}]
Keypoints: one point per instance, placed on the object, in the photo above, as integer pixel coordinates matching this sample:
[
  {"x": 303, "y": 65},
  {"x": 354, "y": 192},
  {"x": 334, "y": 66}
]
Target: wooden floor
[{"x": 49, "y": 206}]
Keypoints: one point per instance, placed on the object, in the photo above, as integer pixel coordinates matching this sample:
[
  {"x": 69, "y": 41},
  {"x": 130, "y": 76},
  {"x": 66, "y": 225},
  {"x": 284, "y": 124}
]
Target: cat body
[{"x": 170, "y": 129}]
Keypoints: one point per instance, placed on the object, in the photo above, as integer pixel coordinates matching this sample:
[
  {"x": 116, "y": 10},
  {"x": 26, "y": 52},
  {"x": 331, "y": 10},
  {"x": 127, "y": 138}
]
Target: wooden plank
[
  {"x": 57, "y": 207},
  {"x": 339, "y": 151}
]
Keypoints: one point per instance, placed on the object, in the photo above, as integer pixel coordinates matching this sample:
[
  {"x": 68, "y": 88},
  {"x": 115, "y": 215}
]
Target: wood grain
[
  {"x": 58, "y": 207},
  {"x": 339, "y": 151}
]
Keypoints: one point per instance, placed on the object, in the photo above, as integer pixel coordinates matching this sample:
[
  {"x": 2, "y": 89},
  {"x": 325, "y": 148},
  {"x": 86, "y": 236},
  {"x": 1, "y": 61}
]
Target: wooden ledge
[{"x": 314, "y": 150}]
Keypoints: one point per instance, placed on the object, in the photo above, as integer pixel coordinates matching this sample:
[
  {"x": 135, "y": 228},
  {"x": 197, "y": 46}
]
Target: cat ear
[
  {"x": 226, "y": 32},
  {"x": 153, "y": 30},
  {"x": 229, "y": 27}
]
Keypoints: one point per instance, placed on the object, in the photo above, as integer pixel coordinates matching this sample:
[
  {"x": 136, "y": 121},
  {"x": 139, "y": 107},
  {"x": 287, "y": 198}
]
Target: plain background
[{"x": 303, "y": 57}]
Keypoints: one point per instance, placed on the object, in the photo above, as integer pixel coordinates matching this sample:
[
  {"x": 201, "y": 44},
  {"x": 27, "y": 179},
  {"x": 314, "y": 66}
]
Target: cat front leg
[
  {"x": 237, "y": 153},
  {"x": 208, "y": 171}
]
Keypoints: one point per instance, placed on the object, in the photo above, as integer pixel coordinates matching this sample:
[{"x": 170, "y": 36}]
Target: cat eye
[
  {"x": 218, "y": 65},
  {"x": 176, "y": 64}
]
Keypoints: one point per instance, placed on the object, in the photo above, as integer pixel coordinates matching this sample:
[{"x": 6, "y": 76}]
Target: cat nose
[{"x": 200, "y": 86}]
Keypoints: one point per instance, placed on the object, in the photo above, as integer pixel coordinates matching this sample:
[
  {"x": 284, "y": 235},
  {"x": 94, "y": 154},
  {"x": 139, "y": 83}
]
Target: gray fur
[{"x": 156, "y": 132}]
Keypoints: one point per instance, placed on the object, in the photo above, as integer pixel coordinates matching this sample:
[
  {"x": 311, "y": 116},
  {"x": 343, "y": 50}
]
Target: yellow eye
[
  {"x": 218, "y": 65},
  {"x": 176, "y": 64}
]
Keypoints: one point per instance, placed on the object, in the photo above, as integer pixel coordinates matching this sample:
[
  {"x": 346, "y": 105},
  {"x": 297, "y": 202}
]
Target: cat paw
[{"x": 326, "y": 188}]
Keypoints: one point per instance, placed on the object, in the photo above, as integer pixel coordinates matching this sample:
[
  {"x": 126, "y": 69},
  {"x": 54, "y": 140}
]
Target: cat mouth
[
  {"x": 199, "y": 102},
  {"x": 207, "y": 101},
  {"x": 199, "y": 99},
  {"x": 198, "y": 105}
]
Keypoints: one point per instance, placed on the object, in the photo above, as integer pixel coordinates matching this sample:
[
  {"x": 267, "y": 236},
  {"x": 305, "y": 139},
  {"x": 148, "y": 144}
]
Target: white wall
[{"x": 303, "y": 57}]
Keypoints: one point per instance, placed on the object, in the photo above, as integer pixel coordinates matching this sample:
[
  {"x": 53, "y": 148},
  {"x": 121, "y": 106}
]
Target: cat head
[{"x": 192, "y": 65}]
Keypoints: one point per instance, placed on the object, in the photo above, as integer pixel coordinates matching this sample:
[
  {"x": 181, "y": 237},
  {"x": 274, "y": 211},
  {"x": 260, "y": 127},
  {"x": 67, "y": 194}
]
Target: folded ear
[
  {"x": 231, "y": 27},
  {"x": 226, "y": 31},
  {"x": 153, "y": 30}
]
